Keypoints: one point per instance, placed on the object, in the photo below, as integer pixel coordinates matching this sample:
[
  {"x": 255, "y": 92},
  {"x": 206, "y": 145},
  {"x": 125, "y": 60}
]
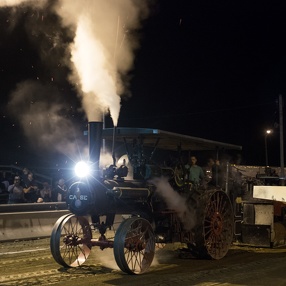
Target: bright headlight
[{"x": 82, "y": 169}]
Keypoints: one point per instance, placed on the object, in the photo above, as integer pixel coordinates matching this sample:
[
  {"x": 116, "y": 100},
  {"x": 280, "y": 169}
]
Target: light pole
[{"x": 268, "y": 131}]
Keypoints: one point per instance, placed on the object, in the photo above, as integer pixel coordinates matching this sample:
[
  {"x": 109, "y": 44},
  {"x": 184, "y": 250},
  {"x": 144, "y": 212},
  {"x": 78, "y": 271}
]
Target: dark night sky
[
  {"x": 211, "y": 69},
  {"x": 214, "y": 70}
]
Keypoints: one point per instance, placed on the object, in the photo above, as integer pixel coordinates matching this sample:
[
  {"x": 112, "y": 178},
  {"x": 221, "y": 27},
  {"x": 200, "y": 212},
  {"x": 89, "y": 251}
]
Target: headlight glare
[{"x": 82, "y": 169}]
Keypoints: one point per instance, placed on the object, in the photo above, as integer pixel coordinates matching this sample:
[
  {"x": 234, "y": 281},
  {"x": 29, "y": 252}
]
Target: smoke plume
[
  {"x": 43, "y": 121},
  {"x": 176, "y": 202},
  {"x": 11, "y": 3},
  {"x": 103, "y": 50},
  {"x": 96, "y": 44}
]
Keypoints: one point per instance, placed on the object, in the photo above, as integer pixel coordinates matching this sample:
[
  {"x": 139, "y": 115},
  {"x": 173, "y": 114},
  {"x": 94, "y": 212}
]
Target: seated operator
[{"x": 195, "y": 173}]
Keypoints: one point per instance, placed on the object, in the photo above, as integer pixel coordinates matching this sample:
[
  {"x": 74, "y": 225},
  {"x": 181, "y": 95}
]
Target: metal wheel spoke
[
  {"x": 67, "y": 244},
  {"x": 208, "y": 232},
  {"x": 214, "y": 237},
  {"x": 134, "y": 259},
  {"x": 134, "y": 254}
]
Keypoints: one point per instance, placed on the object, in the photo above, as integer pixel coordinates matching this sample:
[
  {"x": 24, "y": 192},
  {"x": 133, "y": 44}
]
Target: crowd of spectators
[{"x": 23, "y": 188}]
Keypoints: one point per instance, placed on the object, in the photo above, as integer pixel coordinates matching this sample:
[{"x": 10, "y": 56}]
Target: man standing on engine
[{"x": 195, "y": 173}]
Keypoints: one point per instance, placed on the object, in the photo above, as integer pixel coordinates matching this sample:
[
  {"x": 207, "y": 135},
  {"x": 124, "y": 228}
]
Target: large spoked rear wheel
[
  {"x": 134, "y": 245},
  {"x": 214, "y": 231},
  {"x": 70, "y": 241}
]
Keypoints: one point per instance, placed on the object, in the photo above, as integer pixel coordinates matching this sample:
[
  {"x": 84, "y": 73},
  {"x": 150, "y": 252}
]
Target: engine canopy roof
[{"x": 164, "y": 139}]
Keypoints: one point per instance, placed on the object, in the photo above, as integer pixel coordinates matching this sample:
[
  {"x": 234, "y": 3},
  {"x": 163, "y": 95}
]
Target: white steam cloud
[
  {"x": 98, "y": 88},
  {"x": 103, "y": 50},
  {"x": 100, "y": 56},
  {"x": 176, "y": 202},
  {"x": 10, "y": 3}
]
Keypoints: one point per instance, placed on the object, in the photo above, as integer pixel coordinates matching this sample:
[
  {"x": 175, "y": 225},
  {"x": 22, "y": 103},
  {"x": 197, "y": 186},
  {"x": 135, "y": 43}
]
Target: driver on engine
[{"x": 194, "y": 173}]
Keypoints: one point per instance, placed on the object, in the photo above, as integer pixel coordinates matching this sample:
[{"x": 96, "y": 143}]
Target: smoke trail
[
  {"x": 43, "y": 121},
  {"x": 103, "y": 50},
  {"x": 97, "y": 84},
  {"x": 176, "y": 202},
  {"x": 96, "y": 39}
]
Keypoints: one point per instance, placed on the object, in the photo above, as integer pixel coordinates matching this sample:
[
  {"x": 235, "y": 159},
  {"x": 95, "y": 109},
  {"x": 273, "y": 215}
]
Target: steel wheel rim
[
  {"x": 218, "y": 225},
  {"x": 71, "y": 240},
  {"x": 134, "y": 246}
]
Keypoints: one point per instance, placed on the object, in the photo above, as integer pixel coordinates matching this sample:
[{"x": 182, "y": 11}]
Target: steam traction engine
[{"x": 203, "y": 220}]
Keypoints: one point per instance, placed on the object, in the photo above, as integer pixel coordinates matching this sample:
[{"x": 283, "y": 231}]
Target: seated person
[{"x": 45, "y": 193}]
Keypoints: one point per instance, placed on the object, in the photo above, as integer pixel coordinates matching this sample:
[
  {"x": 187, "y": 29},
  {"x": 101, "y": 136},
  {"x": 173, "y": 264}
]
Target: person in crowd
[
  {"x": 16, "y": 192},
  {"x": 4, "y": 195},
  {"x": 5, "y": 181},
  {"x": 59, "y": 192},
  {"x": 25, "y": 174},
  {"x": 195, "y": 173},
  {"x": 45, "y": 193},
  {"x": 31, "y": 189},
  {"x": 2, "y": 188}
]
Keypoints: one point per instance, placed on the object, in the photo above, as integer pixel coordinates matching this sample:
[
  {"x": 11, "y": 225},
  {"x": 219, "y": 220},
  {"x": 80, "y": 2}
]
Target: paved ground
[{"x": 29, "y": 263}]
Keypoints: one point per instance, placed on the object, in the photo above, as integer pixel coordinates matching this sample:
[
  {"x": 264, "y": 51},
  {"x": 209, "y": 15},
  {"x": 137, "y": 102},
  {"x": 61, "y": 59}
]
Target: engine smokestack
[{"x": 94, "y": 142}]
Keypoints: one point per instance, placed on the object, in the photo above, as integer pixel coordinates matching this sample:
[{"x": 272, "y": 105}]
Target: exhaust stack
[{"x": 94, "y": 142}]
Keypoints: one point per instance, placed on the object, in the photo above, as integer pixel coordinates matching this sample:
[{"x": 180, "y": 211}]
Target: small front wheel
[
  {"x": 70, "y": 241},
  {"x": 134, "y": 245}
]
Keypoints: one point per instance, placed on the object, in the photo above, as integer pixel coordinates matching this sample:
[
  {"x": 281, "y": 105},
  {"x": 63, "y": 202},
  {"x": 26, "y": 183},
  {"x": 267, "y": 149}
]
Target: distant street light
[{"x": 268, "y": 131}]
